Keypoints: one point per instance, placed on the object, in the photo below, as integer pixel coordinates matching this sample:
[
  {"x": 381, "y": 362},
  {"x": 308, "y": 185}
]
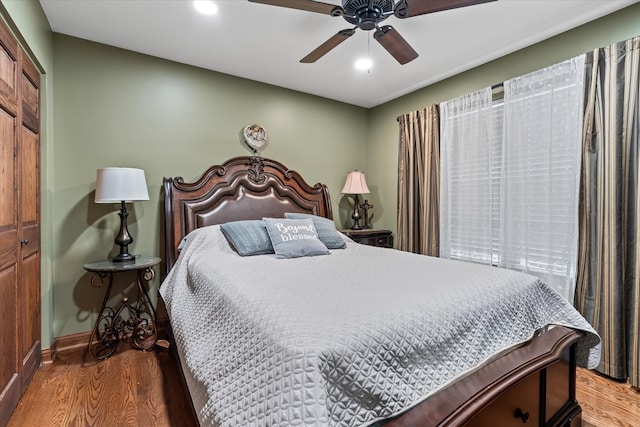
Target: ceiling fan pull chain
[{"x": 369, "y": 51}]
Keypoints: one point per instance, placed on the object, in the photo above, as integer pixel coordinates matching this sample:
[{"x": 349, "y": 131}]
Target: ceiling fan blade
[
  {"x": 325, "y": 47},
  {"x": 409, "y": 8},
  {"x": 395, "y": 44},
  {"x": 308, "y": 5}
]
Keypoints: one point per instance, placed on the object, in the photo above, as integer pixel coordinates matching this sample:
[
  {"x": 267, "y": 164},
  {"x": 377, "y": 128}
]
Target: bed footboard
[{"x": 533, "y": 384}]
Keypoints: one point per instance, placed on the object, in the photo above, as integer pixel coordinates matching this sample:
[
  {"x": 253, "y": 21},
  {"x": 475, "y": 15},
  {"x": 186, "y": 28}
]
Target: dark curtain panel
[
  {"x": 608, "y": 279},
  {"x": 419, "y": 182}
]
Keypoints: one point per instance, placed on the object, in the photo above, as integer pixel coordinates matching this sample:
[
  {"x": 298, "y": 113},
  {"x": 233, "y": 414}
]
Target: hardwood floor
[
  {"x": 606, "y": 403},
  {"x": 131, "y": 388},
  {"x": 135, "y": 388}
]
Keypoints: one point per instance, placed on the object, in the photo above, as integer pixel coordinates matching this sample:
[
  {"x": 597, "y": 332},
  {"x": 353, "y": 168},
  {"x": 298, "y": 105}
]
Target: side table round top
[{"x": 106, "y": 266}]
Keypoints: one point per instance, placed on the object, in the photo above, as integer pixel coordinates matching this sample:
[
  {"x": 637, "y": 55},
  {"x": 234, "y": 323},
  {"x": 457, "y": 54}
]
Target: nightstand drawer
[{"x": 380, "y": 238}]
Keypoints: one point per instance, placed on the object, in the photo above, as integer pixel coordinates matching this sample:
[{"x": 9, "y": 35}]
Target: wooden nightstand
[
  {"x": 381, "y": 238},
  {"x": 129, "y": 322}
]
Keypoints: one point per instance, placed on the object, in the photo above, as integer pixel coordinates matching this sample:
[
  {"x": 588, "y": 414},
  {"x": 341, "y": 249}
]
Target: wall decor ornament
[{"x": 255, "y": 137}]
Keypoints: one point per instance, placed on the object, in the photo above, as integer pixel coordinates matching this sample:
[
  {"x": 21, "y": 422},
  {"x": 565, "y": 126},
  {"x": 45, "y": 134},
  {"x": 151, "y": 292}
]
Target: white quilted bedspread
[{"x": 344, "y": 339}]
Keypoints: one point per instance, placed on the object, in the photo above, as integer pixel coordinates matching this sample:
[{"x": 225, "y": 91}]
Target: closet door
[
  {"x": 20, "y": 353},
  {"x": 10, "y": 382},
  {"x": 28, "y": 157}
]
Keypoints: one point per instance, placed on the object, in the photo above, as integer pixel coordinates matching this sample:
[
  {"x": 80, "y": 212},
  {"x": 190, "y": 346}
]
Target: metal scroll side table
[{"x": 134, "y": 322}]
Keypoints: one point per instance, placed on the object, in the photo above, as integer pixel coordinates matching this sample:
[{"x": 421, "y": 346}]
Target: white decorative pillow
[{"x": 292, "y": 238}]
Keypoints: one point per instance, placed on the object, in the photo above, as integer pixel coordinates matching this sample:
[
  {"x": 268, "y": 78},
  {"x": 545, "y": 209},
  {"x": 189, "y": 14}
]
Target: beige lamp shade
[
  {"x": 114, "y": 185},
  {"x": 355, "y": 184}
]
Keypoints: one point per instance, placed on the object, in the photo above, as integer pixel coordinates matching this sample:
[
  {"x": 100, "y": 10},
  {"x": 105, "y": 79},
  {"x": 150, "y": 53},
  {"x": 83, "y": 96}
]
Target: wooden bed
[{"x": 533, "y": 383}]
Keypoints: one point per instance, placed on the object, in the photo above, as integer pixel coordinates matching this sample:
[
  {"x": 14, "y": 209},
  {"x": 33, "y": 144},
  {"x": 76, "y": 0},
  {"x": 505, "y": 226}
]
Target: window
[{"x": 510, "y": 175}]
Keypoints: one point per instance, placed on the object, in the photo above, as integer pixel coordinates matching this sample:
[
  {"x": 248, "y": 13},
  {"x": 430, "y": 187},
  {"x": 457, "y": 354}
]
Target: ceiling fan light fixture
[
  {"x": 206, "y": 7},
  {"x": 364, "y": 64}
]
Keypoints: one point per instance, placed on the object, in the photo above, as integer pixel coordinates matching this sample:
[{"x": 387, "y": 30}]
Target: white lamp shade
[
  {"x": 355, "y": 184},
  {"x": 114, "y": 185}
]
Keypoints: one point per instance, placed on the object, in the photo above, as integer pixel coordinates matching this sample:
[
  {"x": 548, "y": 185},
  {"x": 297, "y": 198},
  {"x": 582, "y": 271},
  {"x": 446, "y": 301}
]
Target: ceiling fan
[{"x": 367, "y": 15}]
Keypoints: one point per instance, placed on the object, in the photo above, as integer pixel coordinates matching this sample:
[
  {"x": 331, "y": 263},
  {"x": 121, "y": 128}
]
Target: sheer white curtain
[
  {"x": 541, "y": 173},
  {"x": 466, "y": 160},
  {"x": 510, "y": 173}
]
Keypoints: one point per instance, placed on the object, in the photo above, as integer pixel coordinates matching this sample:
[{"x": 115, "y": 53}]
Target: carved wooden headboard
[{"x": 239, "y": 189}]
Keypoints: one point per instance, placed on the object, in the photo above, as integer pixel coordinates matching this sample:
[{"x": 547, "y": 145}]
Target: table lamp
[
  {"x": 121, "y": 185},
  {"x": 356, "y": 185}
]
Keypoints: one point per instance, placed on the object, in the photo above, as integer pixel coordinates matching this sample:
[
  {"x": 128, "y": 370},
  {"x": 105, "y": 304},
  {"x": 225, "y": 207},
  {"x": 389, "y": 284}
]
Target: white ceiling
[{"x": 265, "y": 43}]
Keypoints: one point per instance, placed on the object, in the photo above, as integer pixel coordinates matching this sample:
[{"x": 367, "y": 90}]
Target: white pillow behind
[{"x": 325, "y": 227}]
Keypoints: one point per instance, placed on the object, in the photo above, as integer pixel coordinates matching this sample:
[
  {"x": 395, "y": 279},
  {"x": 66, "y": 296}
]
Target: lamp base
[
  {"x": 124, "y": 258},
  {"x": 356, "y": 214},
  {"x": 123, "y": 239}
]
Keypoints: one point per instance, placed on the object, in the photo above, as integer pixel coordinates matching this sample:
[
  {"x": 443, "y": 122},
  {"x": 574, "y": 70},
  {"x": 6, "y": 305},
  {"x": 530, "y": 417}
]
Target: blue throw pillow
[
  {"x": 248, "y": 237},
  {"x": 292, "y": 238},
  {"x": 325, "y": 227}
]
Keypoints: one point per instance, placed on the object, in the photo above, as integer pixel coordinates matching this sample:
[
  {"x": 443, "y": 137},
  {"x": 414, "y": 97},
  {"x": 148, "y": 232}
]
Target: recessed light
[
  {"x": 206, "y": 7},
  {"x": 364, "y": 64}
]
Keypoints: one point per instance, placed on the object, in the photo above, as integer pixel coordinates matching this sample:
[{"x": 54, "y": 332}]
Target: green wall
[
  {"x": 118, "y": 108},
  {"x": 104, "y": 106},
  {"x": 382, "y": 152}
]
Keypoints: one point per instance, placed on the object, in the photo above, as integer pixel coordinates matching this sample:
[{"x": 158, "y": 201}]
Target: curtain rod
[{"x": 496, "y": 88}]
